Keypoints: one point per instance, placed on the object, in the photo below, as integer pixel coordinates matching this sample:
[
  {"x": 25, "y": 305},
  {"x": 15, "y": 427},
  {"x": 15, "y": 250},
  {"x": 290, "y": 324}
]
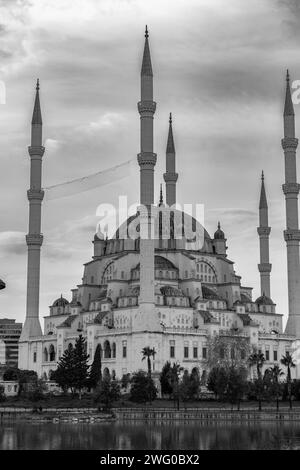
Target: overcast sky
[{"x": 219, "y": 66}]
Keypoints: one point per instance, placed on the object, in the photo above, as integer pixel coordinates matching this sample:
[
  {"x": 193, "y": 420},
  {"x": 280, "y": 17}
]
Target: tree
[
  {"x": 96, "y": 369},
  {"x": 257, "y": 359},
  {"x": 25, "y": 379},
  {"x": 147, "y": 354},
  {"x": 11, "y": 374},
  {"x": 236, "y": 385},
  {"x": 142, "y": 388},
  {"x": 230, "y": 350},
  {"x": 125, "y": 381},
  {"x": 107, "y": 391},
  {"x": 81, "y": 366},
  {"x": 37, "y": 390},
  {"x": 288, "y": 362},
  {"x": 64, "y": 374},
  {"x": 173, "y": 377},
  {"x": 217, "y": 382},
  {"x": 166, "y": 388},
  {"x": 2, "y": 394},
  {"x": 276, "y": 373}
]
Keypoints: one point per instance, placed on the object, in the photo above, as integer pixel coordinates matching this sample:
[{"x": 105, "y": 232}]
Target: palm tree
[
  {"x": 147, "y": 354},
  {"x": 276, "y": 372},
  {"x": 288, "y": 362},
  {"x": 257, "y": 359}
]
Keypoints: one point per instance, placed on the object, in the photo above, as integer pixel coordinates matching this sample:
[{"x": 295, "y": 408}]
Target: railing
[
  {"x": 237, "y": 334},
  {"x": 276, "y": 336},
  {"x": 190, "y": 331}
]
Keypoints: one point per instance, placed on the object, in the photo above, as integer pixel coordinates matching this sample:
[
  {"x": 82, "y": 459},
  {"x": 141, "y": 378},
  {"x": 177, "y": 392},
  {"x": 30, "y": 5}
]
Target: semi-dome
[
  {"x": 160, "y": 263},
  {"x": 219, "y": 234},
  {"x": 61, "y": 302},
  {"x": 210, "y": 294},
  {"x": 264, "y": 300}
]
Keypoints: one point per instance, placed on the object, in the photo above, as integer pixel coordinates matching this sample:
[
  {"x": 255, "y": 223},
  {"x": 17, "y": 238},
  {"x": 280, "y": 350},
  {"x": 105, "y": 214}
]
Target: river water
[{"x": 175, "y": 435}]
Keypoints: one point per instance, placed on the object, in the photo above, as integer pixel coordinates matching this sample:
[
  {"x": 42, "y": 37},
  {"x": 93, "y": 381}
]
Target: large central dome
[{"x": 170, "y": 224}]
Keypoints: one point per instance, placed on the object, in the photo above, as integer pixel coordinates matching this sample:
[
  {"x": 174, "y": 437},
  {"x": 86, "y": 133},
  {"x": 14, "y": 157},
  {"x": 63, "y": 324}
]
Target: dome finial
[
  {"x": 146, "y": 32},
  {"x": 287, "y": 75},
  {"x": 262, "y": 175},
  {"x": 37, "y": 85},
  {"x": 170, "y": 118},
  {"x": 219, "y": 225}
]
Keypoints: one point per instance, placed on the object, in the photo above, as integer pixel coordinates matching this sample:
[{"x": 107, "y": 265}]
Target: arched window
[
  {"x": 51, "y": 353},
  {"x": 45, "y": 355},
  {"x": 107, "y": 350},
  {"x": 114, "y": 350},
  {"x": 106, "y": 372}
]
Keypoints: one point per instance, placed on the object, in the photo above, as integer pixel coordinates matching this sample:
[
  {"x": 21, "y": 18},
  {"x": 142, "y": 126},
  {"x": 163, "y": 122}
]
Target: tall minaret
[
  {"x": 170, "y": 176},
  {"x": 146, "y": 107},
  {"x": 263, "y": 231},
  {"x": 34, "y": 239},
  {"x": 292, "y": 233},
  {"x": 146, "y": 320}
]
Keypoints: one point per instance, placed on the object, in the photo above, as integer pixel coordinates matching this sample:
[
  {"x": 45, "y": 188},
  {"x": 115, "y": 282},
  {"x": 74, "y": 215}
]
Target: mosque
[{"x": 172, "y": 293}]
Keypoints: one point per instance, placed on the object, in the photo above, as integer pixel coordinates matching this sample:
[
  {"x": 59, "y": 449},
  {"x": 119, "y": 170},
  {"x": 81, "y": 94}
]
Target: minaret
[
  {"x": 34, "y": 239},
  {"x": 263, "y": 231},
  {"x": 146, "y": 107},
  {"x": 170, "y": 176},
  {"x": 146, "y": 320},
  {"x": 292, "y": 233}
]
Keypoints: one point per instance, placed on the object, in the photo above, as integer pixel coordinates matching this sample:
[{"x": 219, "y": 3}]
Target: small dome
[
  {"x": 219, "y": 234},
  {"x": 61, "y": 302},
  {"x": 264, "y": 300},
  {"x": 2, "y": 284}
]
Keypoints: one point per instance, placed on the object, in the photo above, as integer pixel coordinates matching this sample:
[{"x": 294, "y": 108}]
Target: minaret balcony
[
  {"x": 147, "y": 158},
  {"x": 291, "y": 188},
  {"x": 263, "y": 231},
  {"x": 146, "y": 107},
  {"x": 34, "y": 239},
  {"x": 289, "y": 143},
  {"x": 36, "y": 151},
  {"x": 35, "y": 194},
  {"x": 170, "y": 177},
  {"x": 291, "y": 235},
  {"x": 264, "y": 267}
]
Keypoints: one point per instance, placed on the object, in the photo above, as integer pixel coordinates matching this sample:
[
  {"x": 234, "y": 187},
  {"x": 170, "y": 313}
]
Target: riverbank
[{"x": 93, "y": 415}]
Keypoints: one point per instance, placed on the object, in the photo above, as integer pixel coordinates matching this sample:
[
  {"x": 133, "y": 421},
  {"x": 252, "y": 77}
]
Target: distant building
[{"x": 10, "y": 332}]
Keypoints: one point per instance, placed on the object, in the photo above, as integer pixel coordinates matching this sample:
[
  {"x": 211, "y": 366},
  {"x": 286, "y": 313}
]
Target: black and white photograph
[{"x": 149, "y": 229}]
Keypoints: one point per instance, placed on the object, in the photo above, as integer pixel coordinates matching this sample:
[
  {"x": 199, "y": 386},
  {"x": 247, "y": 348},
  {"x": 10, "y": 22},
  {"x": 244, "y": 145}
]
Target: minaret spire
[
  {"x": 292, "y": 233},
  {"x": 170, "y": 176},
  {"x": 264, "y": 231},
  {"x": 161, "y": 198},
  {"x": 146, "y": 107},
  {"x": 34, "y": 239}
]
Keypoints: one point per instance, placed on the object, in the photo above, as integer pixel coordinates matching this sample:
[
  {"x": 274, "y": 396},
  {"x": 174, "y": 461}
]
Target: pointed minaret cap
[
  {"x": 37, "y": 115},
  {"x": 288, "y": 104},
  {"x": 146, "y": 64},
  {"x": 263, "y": 198},
  {"x": 170, "y": 143}
]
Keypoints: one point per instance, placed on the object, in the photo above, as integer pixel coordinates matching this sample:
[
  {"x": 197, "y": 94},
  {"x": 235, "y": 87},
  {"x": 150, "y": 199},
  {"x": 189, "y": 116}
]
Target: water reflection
[{"x": 149, "y": 435}]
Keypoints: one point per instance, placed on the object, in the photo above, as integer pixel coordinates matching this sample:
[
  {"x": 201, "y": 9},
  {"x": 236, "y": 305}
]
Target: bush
[
  {"x": 2, "y": 394},
  {"x": 107, "y": 392},
  {"x": 142, "y": 388}
]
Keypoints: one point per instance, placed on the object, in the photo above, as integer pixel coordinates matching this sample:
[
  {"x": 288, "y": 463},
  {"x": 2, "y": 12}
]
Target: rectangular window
[
  {"x": 124, "y": 349},
  {"x": 204, "y": 353},
  {"x": 34, "y": 357},
  {"x": 275, "y": 355},
  {"x": 186, "y": 352},
  {"x": 195, "y": 352},
  {"x": 172, "y": 348},
  {"x": 267, "y": 355}
]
